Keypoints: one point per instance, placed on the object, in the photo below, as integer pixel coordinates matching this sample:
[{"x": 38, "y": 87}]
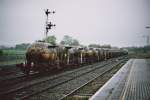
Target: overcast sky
[{"x": 116, "y": 22}]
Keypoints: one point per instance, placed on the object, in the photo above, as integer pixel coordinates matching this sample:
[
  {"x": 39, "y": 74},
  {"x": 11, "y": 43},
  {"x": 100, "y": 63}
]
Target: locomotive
[{"x": 42, "y": 56}]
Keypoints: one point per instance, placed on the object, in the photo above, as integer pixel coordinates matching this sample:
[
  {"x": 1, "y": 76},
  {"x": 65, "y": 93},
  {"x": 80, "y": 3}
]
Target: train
[{"x": 42, "y": 56}]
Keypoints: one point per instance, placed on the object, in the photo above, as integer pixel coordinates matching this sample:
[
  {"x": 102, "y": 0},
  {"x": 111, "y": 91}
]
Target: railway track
[
  {"x": 7, "y": 70},
  {"x": 14, "y": 75},
  {"x": 8, "y": 81},
  {"x": 88, "y": 89},
  {"x": 63, "y": 90},
  {"x": 58, "y": 91},
  {"x": 22, "y": 78},
  {"x": 27, "y": 90}
]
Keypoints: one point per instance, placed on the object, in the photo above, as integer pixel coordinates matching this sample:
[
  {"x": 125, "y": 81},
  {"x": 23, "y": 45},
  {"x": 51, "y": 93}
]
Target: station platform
[{"x": 131, "y": 82}]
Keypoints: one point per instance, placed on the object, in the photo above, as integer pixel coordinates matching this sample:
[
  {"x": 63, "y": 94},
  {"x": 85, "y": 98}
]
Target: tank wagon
[{"x": 41, "y": 56}]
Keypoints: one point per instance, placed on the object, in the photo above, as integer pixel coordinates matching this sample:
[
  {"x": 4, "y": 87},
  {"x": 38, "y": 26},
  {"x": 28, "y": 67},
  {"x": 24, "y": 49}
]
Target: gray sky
[{"x": 116, "y": 22}]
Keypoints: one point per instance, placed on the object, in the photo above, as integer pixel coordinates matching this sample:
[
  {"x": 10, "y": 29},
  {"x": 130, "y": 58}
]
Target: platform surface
[{"x": 131, "y": 82}]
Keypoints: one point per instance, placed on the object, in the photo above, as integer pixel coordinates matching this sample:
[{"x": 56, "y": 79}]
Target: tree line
[
  {"x": 144, "y": 49},
  {"x": 67, "y": 40}
]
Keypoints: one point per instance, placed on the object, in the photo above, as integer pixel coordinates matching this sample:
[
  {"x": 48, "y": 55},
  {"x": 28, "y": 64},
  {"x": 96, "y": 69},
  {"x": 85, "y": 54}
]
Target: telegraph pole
[
  {"x": 147, "y": 37},
  {"x": 48, "y": 24}
]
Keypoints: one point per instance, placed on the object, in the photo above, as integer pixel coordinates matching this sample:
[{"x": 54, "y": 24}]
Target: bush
[{"x": 1, "y": 52}]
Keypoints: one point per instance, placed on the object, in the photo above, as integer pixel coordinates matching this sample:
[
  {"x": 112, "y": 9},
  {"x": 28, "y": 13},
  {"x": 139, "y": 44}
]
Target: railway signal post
[{"x": 48, "y": 24}]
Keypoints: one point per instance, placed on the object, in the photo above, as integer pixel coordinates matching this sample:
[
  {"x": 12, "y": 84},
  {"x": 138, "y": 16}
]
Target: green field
[
  {"x": 140, "y": 55},
  {"x": 13, "y": 51},
  {"x": 9, "y": 57}
]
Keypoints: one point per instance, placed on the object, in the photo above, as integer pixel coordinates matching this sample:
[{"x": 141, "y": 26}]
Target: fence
[{"x": 11, "y": 59}]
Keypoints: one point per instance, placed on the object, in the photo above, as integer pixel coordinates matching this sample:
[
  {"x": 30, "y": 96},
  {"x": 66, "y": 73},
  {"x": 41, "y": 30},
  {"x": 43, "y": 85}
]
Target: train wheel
[{"x": 26, "y": 71}]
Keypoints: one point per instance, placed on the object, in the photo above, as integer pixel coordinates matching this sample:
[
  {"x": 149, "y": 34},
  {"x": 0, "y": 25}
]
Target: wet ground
[{"x": 131, "y": 82}]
